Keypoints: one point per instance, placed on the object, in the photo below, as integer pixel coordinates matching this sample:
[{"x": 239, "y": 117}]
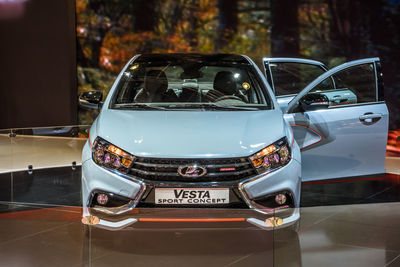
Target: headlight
[
  {"x": 272, "y": 157},
  {"x": 110, "y": 156}
]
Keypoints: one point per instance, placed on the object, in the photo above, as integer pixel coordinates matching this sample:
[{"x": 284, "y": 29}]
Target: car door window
[
  {"x": 289, "y": 78},
  {"x": 355, "y": 82},
  {"x": 354, "y": 85}
]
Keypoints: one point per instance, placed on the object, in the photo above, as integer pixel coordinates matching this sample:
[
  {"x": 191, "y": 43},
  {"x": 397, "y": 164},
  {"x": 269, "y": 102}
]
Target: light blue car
[{"x": 213, "y": 132}]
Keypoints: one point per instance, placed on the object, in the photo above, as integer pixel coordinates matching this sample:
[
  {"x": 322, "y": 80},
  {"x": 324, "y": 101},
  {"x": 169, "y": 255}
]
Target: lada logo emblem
[{"x": 192, "y": 171}]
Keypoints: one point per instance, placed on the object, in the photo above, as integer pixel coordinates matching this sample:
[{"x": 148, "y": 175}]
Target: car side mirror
[
  {"x": 91, "y": 100},
  {"x": 314, "y": 101}
]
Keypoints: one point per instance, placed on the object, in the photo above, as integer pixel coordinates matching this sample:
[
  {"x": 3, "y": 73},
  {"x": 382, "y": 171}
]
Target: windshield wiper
[
  {"x": 211, "y": 105},
  {"x": 138, "y": 105},
  {"x": 183, "y": 106},
  {"x": 237, "y": 107}
]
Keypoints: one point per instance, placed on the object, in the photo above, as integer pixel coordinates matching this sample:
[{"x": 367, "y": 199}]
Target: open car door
[
  {"x": 340, "y": 122},
  {"x": 288, "y": 76}
]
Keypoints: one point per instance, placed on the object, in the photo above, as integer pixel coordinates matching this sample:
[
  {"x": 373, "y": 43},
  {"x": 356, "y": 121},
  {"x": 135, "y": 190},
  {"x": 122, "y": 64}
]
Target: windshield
[{"x": 190, "y": 82}]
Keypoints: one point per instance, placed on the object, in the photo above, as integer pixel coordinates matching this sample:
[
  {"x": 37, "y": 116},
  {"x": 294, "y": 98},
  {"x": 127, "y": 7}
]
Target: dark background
[
  {"x": 52, "y": 49},
  {"x": 38, "y": 63}
]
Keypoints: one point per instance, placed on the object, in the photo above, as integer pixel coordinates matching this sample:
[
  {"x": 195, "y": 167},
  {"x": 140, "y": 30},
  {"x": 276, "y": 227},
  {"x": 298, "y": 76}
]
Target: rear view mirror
[
  {"x": 314, "y": 101},
  {"x": 90, "y": 100}
]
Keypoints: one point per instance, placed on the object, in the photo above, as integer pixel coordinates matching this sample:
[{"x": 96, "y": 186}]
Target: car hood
[{"x": 190, "y": 134}]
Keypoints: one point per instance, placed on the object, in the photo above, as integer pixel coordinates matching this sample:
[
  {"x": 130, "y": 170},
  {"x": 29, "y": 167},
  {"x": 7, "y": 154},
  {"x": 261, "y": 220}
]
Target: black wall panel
[{"x": 38, "y": 64}]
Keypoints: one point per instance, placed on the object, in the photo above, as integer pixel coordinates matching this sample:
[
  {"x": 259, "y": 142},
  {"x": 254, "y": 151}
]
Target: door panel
[
  {"x": 335, "y": 143},
  {"x": 349, "y": 138},
  {"x": 305, "y": 135}
]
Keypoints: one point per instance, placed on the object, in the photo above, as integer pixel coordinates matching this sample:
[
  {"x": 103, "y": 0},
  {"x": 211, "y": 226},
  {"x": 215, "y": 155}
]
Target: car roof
[{"x": 231, "y": 58}]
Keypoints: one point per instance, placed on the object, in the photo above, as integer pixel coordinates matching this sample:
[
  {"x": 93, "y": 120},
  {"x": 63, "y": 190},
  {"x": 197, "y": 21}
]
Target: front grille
[{"x": 166, "y": 170}]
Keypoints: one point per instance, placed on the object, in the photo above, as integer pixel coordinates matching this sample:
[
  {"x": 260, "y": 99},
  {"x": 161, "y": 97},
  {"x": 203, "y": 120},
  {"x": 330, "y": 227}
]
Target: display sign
[{"x": 191, "y": 196}]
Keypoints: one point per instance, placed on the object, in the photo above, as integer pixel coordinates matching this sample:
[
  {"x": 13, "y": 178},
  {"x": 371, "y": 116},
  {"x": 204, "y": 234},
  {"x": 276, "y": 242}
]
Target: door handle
[{"x": 370, "y": 118}]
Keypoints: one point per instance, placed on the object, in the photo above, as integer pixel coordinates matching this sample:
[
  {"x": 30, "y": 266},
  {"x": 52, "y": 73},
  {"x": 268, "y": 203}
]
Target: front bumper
[
  {"x": 98, "y": 179},
  {"x": 166, "y": 218}
]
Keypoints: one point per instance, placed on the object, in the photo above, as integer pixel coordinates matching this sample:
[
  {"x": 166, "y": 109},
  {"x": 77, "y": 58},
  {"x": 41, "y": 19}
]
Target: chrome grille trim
[
  {"x": 146, "y": 164},
  {"x": 155, "y": 173},
  {"x": 166, "y": 170}
]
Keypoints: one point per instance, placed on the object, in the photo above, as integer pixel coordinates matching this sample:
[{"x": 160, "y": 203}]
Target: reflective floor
[
  {"x": 354, "y": 235},
  {"x": 343, "y": 223}
]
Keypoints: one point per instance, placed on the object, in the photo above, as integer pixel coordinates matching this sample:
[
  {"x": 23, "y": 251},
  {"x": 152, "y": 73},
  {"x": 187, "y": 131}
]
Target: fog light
[
  {"x": 280, "y": 199},
  {"x": 102, "y": 199}
]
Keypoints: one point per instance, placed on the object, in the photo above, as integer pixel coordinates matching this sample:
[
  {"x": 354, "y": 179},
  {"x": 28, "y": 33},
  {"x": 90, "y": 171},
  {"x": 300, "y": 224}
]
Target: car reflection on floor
[
  {"x": 349, "y": 235},
  {"x": 348, "y": 223}
]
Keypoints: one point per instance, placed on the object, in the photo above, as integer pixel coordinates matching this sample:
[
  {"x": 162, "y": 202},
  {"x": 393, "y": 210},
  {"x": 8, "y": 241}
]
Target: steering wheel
[{"x": 226, "y": 97}]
